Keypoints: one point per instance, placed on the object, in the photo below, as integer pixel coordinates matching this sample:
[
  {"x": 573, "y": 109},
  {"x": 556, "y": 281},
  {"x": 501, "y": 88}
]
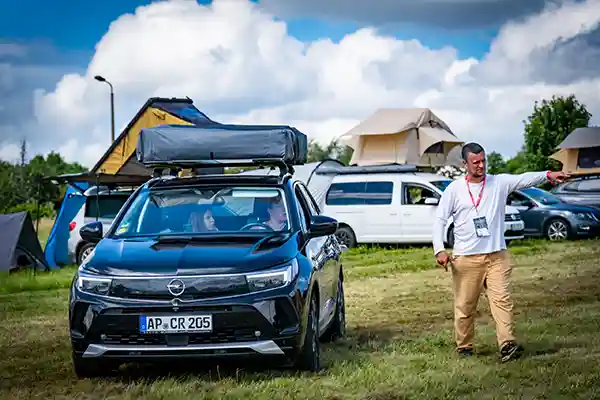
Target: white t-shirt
[{"x": 456, "y": 203}]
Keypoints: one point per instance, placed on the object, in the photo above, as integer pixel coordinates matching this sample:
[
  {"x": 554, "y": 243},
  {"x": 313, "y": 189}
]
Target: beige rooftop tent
[
  {"x": 580, "y": 151},
  {"x": 402, "y": 136}
]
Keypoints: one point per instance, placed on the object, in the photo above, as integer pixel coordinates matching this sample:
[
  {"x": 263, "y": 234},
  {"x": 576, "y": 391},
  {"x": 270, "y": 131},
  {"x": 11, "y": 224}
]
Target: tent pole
[{"x": 37, "y": 200}]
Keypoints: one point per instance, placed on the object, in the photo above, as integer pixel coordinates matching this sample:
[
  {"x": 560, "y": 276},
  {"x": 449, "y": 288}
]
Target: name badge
[{"x": 481, "y": 227}]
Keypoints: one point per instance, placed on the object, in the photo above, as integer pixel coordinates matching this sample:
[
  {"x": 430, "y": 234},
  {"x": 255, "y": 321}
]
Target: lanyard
[{"x": 471, "y": 194}]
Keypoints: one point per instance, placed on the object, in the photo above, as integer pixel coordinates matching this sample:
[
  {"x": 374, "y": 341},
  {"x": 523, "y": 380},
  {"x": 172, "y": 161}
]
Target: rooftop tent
[
  {"x": 19, "y": 244},
  {"x": 190, "y": 146},
  {"x": 120, "y": 157},
  {"x": 579, "y": 153},
  {"x": 401, "y": 136}
]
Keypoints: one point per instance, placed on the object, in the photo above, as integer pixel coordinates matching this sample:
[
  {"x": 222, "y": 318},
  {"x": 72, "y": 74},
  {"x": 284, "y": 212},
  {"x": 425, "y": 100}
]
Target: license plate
[
  {"x": 175, "y": 323},
  {"x": 516, "y": 226}
]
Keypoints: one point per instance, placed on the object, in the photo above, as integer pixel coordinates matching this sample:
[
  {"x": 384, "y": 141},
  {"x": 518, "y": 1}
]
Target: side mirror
[
  {"x": 321, "y": 225},
  {"x": 92, "y": 232},
  {"x": 432, "y": 201}
]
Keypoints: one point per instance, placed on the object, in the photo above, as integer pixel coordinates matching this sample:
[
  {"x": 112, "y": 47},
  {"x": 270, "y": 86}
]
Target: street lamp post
[{"x": 112, "y": 106}]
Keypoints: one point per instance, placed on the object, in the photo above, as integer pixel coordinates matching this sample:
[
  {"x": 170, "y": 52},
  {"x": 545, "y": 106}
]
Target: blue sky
[
  {"x": 72, "y": 28},
  {"x": 47, "y": 45}
]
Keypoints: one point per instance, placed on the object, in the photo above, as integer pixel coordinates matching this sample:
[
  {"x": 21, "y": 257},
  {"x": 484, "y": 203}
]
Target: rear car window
[{"x": 108, "y": 206}]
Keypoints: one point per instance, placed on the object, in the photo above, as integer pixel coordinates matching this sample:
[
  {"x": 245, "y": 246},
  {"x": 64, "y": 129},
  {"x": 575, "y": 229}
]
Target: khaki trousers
[{"x": 471, "y": 274}]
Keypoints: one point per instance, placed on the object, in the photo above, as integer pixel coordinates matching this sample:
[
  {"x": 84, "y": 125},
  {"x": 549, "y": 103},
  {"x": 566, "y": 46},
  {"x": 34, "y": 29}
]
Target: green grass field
[{"x": 399, "y": 343}]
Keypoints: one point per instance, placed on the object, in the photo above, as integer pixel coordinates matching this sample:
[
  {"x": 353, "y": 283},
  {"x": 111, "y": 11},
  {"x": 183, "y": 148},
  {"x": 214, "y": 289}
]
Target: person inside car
[
  {"x": 277, "y": 216},
  {"x": 202, "y": 220}
]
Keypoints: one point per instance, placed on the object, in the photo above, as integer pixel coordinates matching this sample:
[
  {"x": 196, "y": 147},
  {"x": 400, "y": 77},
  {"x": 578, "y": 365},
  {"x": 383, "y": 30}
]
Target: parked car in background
[
  {"x": 583, "y": 191},
  {"x": 547, "y": 215},
  {"x": 394, "y": 207},
  {"x": 100, "y": 204}
]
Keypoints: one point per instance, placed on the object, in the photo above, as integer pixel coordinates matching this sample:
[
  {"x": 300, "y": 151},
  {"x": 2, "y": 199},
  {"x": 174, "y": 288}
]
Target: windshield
[
  {"x": 441, "y": 185},
  {"x": 204, "y": 211},
  {"x": 541, "y": 196}
]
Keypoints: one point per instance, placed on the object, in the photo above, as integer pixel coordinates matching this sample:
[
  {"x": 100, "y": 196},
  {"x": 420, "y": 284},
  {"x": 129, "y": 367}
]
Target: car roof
[
  {"x": 419, "y": 177},
  {"x": 220, "y": 179}
]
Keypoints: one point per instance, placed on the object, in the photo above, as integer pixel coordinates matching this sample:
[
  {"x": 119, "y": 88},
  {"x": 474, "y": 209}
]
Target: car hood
[
  {"x": 572, "y": 208},
  {"x": 131, "y": 257}
]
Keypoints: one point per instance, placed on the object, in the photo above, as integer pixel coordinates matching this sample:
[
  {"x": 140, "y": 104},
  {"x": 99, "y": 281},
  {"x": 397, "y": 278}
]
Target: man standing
[{"x": 480, "y": 260}]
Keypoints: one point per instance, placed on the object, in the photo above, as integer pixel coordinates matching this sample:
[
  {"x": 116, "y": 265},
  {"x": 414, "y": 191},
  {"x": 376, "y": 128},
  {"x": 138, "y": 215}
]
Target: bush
[{"x": 46, "y": 210}]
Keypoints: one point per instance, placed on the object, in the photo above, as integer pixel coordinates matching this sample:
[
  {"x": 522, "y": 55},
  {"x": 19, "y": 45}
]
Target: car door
[
  {"x": 381, "y": 218},
  {"x": 321, "y": 252},
  {"x": 530, "y": 214},
  {"x": 417, "y": 216}
]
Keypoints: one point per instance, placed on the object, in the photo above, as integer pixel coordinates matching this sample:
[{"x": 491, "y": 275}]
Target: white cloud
[{"x": 240, "y": 65}]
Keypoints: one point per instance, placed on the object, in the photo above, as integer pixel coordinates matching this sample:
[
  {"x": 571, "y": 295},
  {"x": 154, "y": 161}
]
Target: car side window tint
[
  {"x": 414, "y": 194},
  {"x": 304, "y": 215},
  {"x": 310, "y": 201},
  {"x": 591, "y": 185}
]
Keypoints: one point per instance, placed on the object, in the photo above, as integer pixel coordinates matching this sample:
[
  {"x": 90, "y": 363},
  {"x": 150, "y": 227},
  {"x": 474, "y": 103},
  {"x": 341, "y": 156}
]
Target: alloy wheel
[{"x": 557, "y": 230}]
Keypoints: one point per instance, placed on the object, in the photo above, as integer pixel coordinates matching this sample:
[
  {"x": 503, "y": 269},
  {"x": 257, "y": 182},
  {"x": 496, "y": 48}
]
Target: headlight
[
  {"x": 585, "y": 216},
  {"x": 93, "y": 284},
  {"x": 272, "y": 279}
]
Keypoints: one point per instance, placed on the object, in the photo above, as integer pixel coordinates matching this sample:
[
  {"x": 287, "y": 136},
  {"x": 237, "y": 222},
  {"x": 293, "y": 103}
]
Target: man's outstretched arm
[{"x": 530, "y": 179}]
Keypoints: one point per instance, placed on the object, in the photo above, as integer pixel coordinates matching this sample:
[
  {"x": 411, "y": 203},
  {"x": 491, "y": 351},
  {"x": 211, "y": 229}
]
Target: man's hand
[
  {"x": 557, "y": 176},
  {"x": 443, "y": 259}
]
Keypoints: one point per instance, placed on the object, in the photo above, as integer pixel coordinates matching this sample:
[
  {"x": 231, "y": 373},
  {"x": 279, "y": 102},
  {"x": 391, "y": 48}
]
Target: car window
[
  {"x": 360, "y": 193},
  {"x": 415, "y": 194},
  {"x": 182, "y": 211},
  {"x": 590, "y": 185},
  {"x": 313, "y": 208},
  {"x": 108, "y": 206},
  {"x": 517, "y": 200},
  {"x": 302, "y": 209}
]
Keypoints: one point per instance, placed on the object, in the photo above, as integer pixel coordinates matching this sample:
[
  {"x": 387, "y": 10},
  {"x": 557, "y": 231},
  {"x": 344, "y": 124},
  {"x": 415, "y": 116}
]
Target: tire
[
  {"x": 309, "y": 358},
  {"x": 337, "y": 329},
  {"x": 450, "y": 239},
  {"x": 84, "y": 251},
  {"x": 557, "y": 229},
  {"x": 346, "y": 236},
  {"x": 91, "y": 368}
]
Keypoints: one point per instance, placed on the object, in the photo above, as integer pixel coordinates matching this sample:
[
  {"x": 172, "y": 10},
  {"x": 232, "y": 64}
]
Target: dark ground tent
[{"x": 19, "y": 244}]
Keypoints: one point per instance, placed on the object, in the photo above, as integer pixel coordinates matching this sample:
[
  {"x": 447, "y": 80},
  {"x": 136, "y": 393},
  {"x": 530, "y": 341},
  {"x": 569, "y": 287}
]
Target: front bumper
[
  {"x": 267, "y": 324},
  {"x": 586, "y": 228}
]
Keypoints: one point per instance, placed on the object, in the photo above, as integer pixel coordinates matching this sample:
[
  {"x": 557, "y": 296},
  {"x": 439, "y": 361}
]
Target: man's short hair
[{"x": 472, "y": 147}]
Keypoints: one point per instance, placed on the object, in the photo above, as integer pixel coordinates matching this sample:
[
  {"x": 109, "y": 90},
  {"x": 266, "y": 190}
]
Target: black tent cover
[
  {"x": 18, "y": 240},
  {"x": 183, "y": 144}
]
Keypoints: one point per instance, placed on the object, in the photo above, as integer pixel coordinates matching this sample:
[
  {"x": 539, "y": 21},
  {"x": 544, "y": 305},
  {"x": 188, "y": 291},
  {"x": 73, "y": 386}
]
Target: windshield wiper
[
  {"x": 179, "y": 239},
  {"x": 268, "y": 238}
]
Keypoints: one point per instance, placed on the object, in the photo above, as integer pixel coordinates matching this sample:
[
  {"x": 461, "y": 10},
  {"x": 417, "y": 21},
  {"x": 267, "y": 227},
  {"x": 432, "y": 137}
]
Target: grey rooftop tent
[{"x": 19, "y": 244}]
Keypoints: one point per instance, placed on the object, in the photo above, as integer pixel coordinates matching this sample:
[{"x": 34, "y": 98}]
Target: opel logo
[{"x": 176, "y": 287}]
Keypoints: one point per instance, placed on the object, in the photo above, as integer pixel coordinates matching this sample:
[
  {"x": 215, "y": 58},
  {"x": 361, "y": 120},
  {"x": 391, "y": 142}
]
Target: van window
[
  {"x": 108, "y": 205},
  {"x": 360, "y": 193},
  {"x": 414, "y": 194}
]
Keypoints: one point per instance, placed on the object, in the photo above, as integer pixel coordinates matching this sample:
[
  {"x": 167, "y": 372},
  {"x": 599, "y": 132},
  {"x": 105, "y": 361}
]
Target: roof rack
[
  {"x": 173, "y": 167},
  {"x": 373, "y": 169}
]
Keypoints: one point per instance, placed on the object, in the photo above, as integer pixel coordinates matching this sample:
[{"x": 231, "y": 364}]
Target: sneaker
[
  {"x": 510, "y": 351},
  {"x": 465, "y": 351}
]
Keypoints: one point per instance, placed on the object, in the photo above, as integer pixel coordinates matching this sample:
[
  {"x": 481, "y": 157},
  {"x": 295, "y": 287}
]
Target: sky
[{"x": 319, "y": 66}]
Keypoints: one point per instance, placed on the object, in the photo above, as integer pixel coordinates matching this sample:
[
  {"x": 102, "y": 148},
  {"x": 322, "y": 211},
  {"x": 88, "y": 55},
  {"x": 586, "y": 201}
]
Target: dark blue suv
[{"x": 209, "y": 266}]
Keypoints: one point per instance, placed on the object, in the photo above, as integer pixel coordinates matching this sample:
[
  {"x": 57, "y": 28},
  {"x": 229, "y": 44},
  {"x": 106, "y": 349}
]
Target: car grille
[
  {"x": 512, "y": 217},
  {"x": 189, "y": 288},
  {"x": 223, "y": 336}
]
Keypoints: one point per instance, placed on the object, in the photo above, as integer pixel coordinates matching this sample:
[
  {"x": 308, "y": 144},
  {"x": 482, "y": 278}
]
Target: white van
[
  {"x": 102, "y": 205},
  {"x": 394, "y": 207}
]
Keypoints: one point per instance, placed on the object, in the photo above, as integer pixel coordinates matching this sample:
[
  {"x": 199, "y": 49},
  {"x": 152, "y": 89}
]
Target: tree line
[
  {"x": 21, "y": 184},
  {"x": 548, "y": 125}
]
